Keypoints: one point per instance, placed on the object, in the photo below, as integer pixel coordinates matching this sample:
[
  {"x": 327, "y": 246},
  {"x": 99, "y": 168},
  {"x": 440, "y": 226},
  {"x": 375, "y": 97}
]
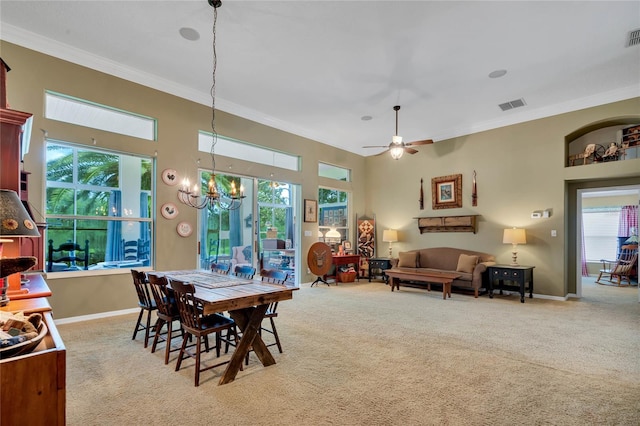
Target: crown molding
[{"x": 65, "y": 52}]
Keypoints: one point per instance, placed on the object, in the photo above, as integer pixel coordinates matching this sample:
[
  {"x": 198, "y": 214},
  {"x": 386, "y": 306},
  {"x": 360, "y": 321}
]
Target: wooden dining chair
[
  {"x": 273, "y": 276},
  {"x": 167, "y": 314},
  {"x": 146, "y": 304},
  {"x": 198, "y": 325},
  {"x": 245, "y": 271},
  {"x": 220, "y": 268}
]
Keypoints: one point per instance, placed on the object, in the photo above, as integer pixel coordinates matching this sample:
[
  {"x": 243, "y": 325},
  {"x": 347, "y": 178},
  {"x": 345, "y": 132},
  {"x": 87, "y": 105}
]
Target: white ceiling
[{"x": 314, "y": 68}]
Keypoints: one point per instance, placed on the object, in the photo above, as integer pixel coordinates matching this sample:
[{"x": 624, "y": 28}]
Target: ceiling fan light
[
  {"x": 396, "y": 152},
  {"x": 396, "y": 139}
]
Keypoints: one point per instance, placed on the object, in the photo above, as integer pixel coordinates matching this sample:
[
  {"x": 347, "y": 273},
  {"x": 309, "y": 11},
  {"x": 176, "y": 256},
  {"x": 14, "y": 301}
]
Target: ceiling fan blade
[
  {"x": 410, "y": 150},
  {"x": 381, "y": 153},
  {"x": 423, "y": 142},
  {"x": 376, "y": 146}
]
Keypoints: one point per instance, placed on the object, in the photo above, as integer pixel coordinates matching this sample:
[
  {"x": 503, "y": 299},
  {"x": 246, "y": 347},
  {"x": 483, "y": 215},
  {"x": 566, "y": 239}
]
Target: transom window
[{"x": 84, "y": 113}]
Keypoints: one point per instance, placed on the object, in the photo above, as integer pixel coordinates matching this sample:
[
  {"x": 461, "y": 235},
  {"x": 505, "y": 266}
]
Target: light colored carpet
[{"x": 357, "y": 354}]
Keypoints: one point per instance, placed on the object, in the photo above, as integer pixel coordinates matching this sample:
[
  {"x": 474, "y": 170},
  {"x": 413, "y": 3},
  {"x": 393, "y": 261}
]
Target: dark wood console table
[
  {"x": 520, "y": 275},
  {"x": 379, "y": 264}
]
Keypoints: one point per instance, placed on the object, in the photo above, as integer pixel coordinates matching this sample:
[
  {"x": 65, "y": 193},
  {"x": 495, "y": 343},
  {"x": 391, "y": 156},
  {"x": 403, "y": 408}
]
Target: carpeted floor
[{"x": 357, "y": 354}]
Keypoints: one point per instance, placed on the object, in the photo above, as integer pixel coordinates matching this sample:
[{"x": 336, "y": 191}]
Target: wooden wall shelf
[{"x": 447, "y": 224}]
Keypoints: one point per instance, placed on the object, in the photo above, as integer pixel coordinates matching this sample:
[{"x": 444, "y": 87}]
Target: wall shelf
[{"x": 447, "y": 224}]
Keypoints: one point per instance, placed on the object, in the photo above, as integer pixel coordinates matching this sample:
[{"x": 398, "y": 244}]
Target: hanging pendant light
[{"x": 214, "y": 196}]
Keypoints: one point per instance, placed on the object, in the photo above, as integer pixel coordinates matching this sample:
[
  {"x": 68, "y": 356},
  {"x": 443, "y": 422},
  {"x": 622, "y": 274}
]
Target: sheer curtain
[{"x": 628, "y": 219}]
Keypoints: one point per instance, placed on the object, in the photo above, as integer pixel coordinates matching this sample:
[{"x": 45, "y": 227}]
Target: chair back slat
[
  {"x": 165, "y": 301},
  {"x": 190, "y": 308},
  {"x": 274, "y": 276},
  {"x": 221, "y": 268},
  {"x": 141, "y": 284},
  {"x": 245, "y": 271}
]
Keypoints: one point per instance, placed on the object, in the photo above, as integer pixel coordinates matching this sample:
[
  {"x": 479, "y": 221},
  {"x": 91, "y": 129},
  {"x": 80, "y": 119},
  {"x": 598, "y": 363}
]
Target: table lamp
[
  {"x": 514, "y": 236},
  {"x": 390, "y": 236},
  {"x": 15, "y": 222}
]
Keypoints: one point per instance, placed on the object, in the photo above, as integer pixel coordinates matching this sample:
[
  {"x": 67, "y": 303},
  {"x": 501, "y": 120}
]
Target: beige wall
[
  {"x": 178, "y": 123},
  {"x": 519, "y": 169}
]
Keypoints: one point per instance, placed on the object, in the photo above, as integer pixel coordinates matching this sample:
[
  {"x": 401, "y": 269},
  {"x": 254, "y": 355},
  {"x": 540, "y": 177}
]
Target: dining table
[{"x": 246, "y": 301}]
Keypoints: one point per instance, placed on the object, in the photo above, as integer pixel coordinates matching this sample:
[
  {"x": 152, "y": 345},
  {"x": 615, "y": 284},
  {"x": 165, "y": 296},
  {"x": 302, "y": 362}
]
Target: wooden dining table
[{"x": 246, "y": 300}]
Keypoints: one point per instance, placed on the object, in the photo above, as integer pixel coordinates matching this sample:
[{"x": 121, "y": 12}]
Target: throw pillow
[
  {"x": 466, "y": 263},
  {"x": 407, "y": 259}
]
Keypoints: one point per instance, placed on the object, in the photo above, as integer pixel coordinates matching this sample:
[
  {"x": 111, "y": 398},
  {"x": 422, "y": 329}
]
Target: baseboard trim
[{"x": 96, "y": 316}]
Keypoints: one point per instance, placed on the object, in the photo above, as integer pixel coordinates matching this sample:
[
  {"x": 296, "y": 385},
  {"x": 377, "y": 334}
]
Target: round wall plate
[
  {"x": 169, "y": 210},
  {"x": 184, "y": 229},
  {"x": 170, "y": 177}
]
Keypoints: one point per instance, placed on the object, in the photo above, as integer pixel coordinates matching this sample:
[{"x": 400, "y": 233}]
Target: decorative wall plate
[
  {"x": 169, "y": 210},
  {"x": 170, "y": 177},
  {"x": 184, "y": 229}
]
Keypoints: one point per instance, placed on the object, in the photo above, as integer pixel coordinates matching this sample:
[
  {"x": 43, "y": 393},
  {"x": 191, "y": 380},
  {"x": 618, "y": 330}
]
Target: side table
[
  {"x": 377, "y": 266},
  {"x": 517, "y": 274}
]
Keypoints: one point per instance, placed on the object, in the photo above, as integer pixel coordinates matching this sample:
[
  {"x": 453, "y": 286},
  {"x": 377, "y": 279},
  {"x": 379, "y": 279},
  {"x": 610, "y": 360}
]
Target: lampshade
[
  {"x": 332, "y": 233},
  {"x": 514, "y": 236},
  {"x": 389, "y": 235},
  {"x": 14, "y": 218}
]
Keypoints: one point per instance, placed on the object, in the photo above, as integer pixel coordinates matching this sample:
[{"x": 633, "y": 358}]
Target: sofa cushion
[
  {"x": 407, "y": 259},
  {"x": 466, "y": 263}
]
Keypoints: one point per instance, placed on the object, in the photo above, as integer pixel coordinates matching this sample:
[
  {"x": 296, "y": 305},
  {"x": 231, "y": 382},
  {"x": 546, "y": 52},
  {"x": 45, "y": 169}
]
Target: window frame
[{"x": 75, "y": 218}]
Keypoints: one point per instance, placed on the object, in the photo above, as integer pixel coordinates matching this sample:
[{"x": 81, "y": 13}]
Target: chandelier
[{"x": 214, "y": 197}]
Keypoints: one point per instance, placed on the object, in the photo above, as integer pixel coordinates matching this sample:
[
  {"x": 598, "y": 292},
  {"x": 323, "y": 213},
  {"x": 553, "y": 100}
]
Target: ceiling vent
[
  {"x": 512, "y": 104},
  {"x": 634, "y": 38}
]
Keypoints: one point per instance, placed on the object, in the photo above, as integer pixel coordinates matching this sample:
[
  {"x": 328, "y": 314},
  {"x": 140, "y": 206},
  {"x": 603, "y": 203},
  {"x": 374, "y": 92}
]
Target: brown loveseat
[{"x": 471, "y": 265}]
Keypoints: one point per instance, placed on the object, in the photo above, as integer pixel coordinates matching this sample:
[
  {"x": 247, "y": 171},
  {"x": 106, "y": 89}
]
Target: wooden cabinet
[
  {"x": 447, "y": 224},
  {"x": 33, "y": 385}
]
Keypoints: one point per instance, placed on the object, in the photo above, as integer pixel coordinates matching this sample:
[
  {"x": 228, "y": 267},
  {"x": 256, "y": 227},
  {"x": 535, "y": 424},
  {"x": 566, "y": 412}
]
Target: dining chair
[
  {"x": 167, "y": 314},
  {"x": 145, "y": 302},
  {"x": 245, "y": 271},
  {"x": 220, "y": 268},
  {"x": 273, "y": 276},
  {"x": 198, "y": 325}
]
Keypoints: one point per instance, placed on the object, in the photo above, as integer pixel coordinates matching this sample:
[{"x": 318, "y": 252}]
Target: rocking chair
[{"x": 617, "y": 271}]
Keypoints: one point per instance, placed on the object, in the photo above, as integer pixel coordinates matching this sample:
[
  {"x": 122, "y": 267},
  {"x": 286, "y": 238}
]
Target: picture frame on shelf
[
  {"x": 446, "y": 192},
  {"x": 310, "y": 210}
]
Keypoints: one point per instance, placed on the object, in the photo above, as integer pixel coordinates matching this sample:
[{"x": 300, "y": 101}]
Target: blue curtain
[
  {"x": 289, "y": 225},
  {"x": 114, "y": 249},
  {"x": 235, "y": 228},
  {"x": 145, "y": 232}
]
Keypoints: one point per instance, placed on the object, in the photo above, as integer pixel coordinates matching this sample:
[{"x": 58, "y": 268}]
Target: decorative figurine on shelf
[{"x": 611, "y": 153}]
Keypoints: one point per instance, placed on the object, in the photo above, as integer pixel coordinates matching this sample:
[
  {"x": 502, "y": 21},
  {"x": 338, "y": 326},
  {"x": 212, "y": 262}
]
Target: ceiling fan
[{"x": 396, "y": 148}]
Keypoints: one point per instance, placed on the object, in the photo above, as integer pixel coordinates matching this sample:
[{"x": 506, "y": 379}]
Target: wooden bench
[{"x": 444, "y": 278}]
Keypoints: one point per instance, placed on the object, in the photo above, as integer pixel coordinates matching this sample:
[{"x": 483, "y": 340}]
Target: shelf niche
[{"x": 447, "y": 224}]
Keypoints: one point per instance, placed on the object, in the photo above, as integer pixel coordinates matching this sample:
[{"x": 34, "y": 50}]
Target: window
[
  {"x": 101, "y": 197},
  {"x": 334, "y": 172},
  {"x": 333, "y": 215},
  {"x": 244, "y": 151},
  {"x": 84, "y": 113},
  {"x": 600, "y": 233}
]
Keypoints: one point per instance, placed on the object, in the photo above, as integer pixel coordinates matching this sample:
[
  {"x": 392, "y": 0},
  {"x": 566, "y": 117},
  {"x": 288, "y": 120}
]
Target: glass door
[
  {"x": 235, "y": 237},
  {"x": 226, "y": 236}
]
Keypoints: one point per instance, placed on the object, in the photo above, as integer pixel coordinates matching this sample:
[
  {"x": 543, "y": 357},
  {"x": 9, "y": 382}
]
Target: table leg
[
  {"x": 490, "y": 288},
  {"x": 446, "y": 290},
  {"x": 522, "y": 291},
  {"x": 249, "y": 321},
  {"x": 393, "y": 282}
]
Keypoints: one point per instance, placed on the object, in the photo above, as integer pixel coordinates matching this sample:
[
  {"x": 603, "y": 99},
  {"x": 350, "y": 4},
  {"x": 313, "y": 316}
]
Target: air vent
[
  {"x": 512, "y": 104},
  {"x": 634, "y": 38}
]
